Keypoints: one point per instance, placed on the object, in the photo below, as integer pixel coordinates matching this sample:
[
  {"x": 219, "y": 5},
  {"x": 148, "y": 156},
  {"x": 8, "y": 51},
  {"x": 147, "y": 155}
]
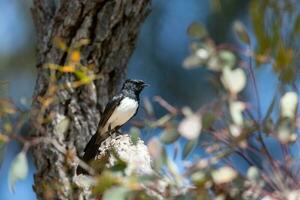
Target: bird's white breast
[{"x": 122, "y": 113}]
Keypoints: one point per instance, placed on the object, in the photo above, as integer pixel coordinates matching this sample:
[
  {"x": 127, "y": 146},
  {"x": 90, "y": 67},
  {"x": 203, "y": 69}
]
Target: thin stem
[{"x": 259, "y": 114}]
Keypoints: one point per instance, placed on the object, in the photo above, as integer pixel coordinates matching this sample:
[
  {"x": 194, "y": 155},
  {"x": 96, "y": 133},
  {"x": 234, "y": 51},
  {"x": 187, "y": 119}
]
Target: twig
[{"x": 163, "y": 103}]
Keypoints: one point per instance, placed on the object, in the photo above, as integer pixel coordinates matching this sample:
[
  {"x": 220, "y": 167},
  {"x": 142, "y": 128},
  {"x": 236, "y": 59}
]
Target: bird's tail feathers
[{"x": 90, "y": 152}]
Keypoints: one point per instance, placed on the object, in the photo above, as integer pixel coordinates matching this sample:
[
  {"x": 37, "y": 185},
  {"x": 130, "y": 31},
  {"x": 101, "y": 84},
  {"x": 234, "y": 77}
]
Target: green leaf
[
  {"x": 2, "y": 151},
  {"x": 148, "y": 107},
  {"x": 18, "y": 170},
  {"x": 197, "y": 30},
  {"x": 192, "y": 196},
  {"x": 297, "y": 25},
  {"x": 240, "y": 32},
  {"x": 253, "y": 174},
  {"x": 199, "y": 178},
  {"x": 227, "y": 58},
  {"x": 104, "y": 182},
  {"x": 207, "y": 120},
  {"x": 161, "y": 121},
  {"x": 188, "y": 147},
  {"x": 119, "y": 166},
  {"x": 134, "y": 135},
  {"x": 173, "y": 169},
  {"x": 160, "y": 160},
  {"x": 169, "y": 136},
  {"x": 192, "y": 61},
  {"x": 146, "y": 178},
  {"x": 116, "y": 193}
]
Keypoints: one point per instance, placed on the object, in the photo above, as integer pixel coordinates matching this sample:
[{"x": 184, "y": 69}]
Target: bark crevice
[{"x": 112, "y": 28}]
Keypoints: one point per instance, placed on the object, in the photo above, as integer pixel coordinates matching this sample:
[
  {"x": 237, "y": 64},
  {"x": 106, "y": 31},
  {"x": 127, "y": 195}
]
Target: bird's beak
[{"x": 146, "y": 85}]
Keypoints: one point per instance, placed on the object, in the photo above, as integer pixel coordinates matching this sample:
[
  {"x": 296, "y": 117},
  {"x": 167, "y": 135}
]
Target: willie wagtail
[{"x": 117, "y": 112}]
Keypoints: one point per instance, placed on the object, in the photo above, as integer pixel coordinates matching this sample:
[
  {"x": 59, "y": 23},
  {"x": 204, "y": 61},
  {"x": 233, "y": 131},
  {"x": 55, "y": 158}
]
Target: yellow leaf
[
  {"x": 7, "y": 127},
  {"x": 6, "y": 107},
  {"x": 67, "y": 68},
  {"x": 60, "y": 43},
  {"x": 3, "y": 138},
  {"x": 75, "y": 56}
]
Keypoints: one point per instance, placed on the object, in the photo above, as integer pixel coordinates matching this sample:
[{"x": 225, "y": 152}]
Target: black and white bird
[{"x": 120, "y": 109}]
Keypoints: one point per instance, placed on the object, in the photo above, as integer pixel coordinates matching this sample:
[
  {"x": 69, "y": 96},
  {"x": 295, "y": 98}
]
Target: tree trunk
[{"x": 111, "y": 26}]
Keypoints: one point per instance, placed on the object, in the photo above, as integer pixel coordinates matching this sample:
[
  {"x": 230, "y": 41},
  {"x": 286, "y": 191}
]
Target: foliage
[{"x": 224, "y": 128}]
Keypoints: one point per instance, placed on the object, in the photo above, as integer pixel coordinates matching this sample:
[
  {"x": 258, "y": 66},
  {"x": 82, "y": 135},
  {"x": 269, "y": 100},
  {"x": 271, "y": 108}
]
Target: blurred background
[{"x": 161, "y": 48}]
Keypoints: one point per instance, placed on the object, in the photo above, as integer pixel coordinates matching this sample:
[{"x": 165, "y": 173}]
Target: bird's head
[{"x": 134, "y": 85}]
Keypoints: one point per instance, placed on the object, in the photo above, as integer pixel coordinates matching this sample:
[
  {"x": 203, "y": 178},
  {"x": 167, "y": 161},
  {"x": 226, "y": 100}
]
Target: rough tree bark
[{"x": 112, "y": 27}]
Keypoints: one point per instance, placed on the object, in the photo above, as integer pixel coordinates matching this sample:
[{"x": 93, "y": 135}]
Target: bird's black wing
[
  {"x": 109, "y": 109},
  {"x": 92, "y": 148}
]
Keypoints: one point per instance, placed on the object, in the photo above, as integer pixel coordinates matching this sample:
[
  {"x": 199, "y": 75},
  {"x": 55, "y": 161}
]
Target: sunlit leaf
[
  {"x": 236, "y": 109},
  {"x": 197, "y": 30},
  {"x": 192, "y": 61},
  {"x": 187, "y": 111},
  {"x": 289, "y": 104},
  {"x": 116, "y": 193},
  {"x": 18, "y": 170},
  {"x": 188, "y": 147},
  {"x": 241, "y": 32},
  {"x": 214, "y": 64},
  {"x": 83, "y": 77},
  {"x": 199, "y": 178},
  {"x": 174, "y": 171},
  {"x": 286, "y": 131},
  {"x": 233, "y": 80},
  {"x": 190, "y": 127},
  {"x": 227, "y": 58},
  {"x": 224, "y": 175},
  {"x": 253, "y": 174},
  {"x": 235, "y": 130},
  {"x": 203, "y": 54}
]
